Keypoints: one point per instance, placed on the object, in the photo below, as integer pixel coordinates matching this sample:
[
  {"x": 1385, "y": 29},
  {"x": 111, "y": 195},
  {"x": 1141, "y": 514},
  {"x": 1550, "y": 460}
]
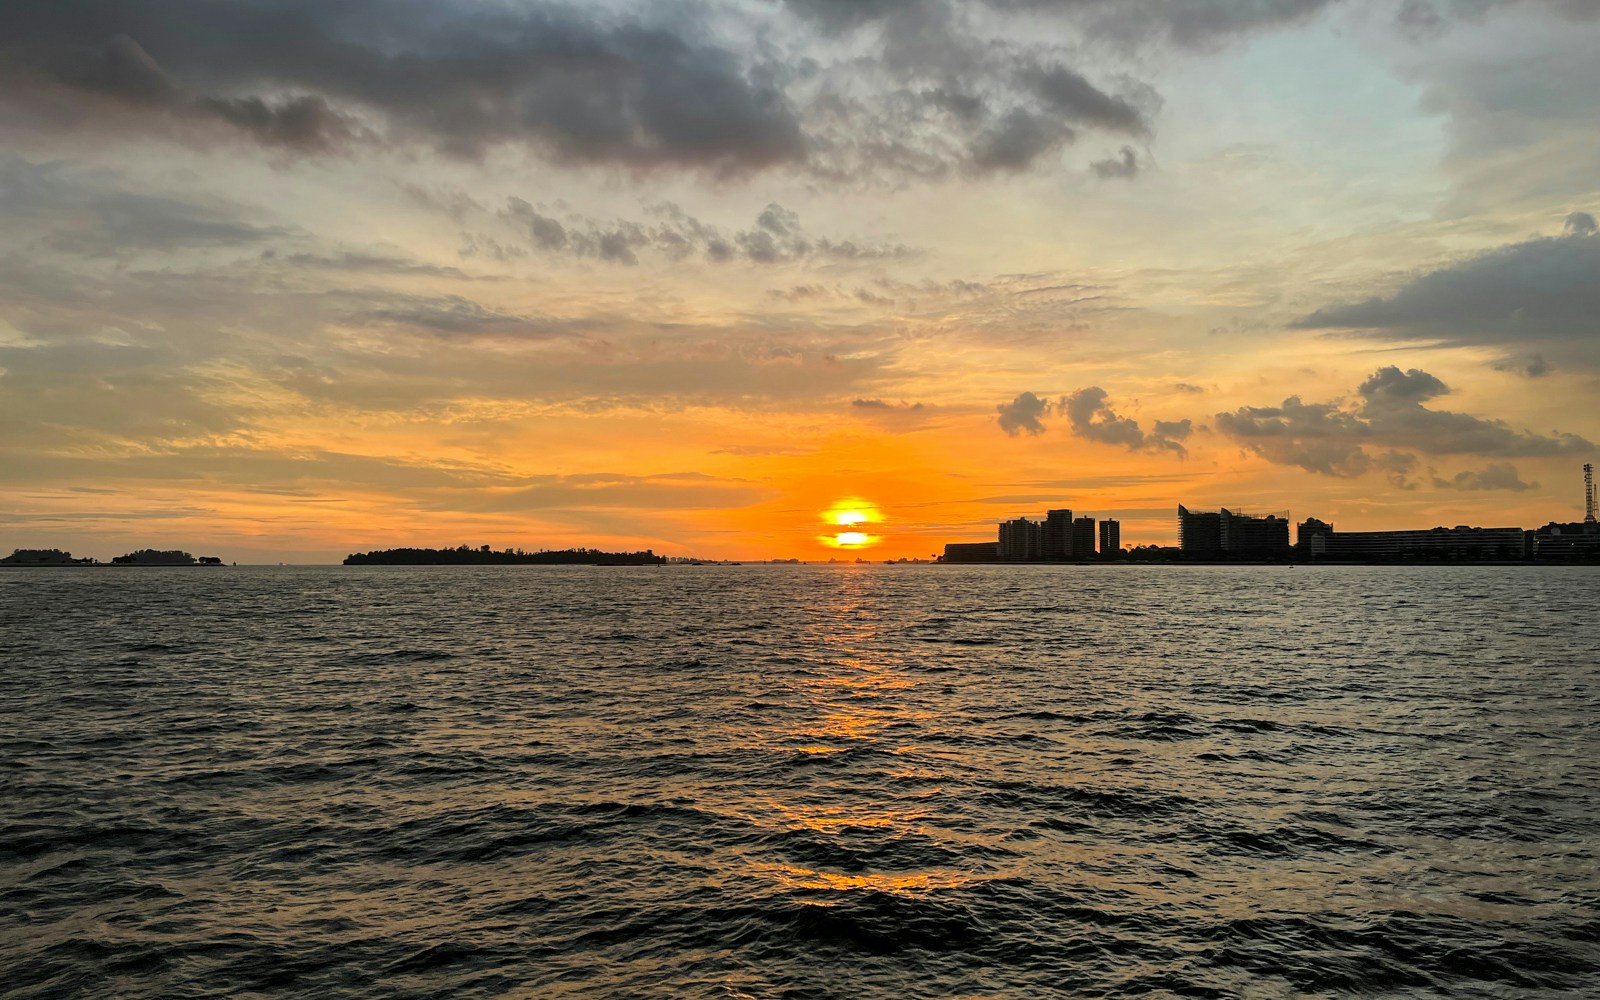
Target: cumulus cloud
[
  {"x": 1581, "y": 224},
  {"x": 1026, "y": 413},
  {"x": 1497, "y": 476},
  {"x": 1543, "y": 291},
  {"x": 1093, "y": 419},
  {"x": 1388, "y": 419}
]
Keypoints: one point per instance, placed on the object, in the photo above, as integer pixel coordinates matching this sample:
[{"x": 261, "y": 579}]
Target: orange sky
[{"x": 1318, "y": 259}]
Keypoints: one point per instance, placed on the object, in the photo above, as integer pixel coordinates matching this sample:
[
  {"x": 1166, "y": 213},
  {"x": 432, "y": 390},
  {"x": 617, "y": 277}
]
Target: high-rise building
[
  {"x": 1057, "y": 532},
  {"x": 1199, "y": 533},
  {"x": 1110, "y": 538},
  {"x": 1214, "y": 535},
  {"x": 1021, "y": 540},
  {"x": 1083, "y": 538},
  {"x": 1311, "y": 537},
  {"x": 1255, "y": 536}
]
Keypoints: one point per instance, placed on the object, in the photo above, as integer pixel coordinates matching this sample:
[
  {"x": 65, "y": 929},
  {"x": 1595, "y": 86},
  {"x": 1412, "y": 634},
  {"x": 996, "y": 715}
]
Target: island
[
  {"x": 169, "y": 557},
  {"x": 43, "y": 557},
  {"x": 483, "y": 555}
]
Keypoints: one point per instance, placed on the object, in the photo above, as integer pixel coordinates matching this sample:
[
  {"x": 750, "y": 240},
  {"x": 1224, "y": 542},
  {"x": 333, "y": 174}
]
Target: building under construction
[{"x": 1232, "y": 534}]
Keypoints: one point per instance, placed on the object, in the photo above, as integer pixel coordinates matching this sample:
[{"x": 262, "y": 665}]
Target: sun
[{"x": 848, "y": 519}]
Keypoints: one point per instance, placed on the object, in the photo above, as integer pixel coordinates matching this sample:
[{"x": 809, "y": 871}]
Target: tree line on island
[
  {"x": 143, "y": 557},
  {"x": 466, "y": 555}
]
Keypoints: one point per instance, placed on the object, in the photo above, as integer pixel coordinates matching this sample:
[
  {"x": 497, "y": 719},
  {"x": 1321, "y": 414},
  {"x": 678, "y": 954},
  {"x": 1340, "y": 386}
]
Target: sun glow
[{"x": 850, "y": 516}]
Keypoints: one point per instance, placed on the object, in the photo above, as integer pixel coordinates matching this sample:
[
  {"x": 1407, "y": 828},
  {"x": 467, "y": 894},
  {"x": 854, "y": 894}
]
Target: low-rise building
[{"x": 971, "y": 552}]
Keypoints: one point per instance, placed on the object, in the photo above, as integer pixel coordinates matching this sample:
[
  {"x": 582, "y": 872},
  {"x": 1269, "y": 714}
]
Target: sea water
[{"x": 834, "y": 781}]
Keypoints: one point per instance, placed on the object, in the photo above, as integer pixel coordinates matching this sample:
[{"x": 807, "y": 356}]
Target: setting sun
[{"x": 851, "y": 515}]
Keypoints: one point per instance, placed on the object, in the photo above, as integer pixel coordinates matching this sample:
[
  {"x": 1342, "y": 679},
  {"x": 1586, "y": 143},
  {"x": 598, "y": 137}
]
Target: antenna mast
[{"x": 1588, "y": 494}]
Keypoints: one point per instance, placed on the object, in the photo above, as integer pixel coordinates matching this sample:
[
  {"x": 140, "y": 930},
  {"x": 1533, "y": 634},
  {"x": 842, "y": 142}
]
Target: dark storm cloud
[
  {"x": 657, "y": 87},
  {"x": 776, "y": 237},
  {"x": 1348, "y": 439},
  {"x": 578, "y": 84},
  {"x": 1542, "y": 291}
]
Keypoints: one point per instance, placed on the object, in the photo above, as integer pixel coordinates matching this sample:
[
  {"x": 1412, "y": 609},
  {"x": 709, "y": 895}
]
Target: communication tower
[{"x": 1588, "y": 493}]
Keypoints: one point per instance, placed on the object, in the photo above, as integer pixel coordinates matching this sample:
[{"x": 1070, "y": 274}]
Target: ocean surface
[{"x": 853, "y": 781}]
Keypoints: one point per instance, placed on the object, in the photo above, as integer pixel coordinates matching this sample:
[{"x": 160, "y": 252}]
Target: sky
[{"x": 282, "y": 280}]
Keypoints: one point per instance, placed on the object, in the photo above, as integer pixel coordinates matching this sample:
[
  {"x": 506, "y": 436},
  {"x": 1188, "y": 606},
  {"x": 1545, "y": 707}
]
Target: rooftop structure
[{"x": 1232, "y": 533}]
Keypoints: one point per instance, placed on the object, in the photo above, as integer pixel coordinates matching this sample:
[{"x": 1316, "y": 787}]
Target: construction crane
[{"x": 1588, "y": 493}]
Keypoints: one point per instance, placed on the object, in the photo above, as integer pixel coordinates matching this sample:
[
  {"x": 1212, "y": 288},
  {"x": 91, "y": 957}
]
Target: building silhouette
[
  {"x": 1199, "y": 533},
  {"x": 1567, "y": 541},
  {"x": 1083, "y": 538},
  {"x": 1317, "y": 539},
  {"x": 1110, "y": 538},
  {"x": 1057, "y": 538},
  {"x": 971, "y": 552},
  {"x": 1225, "y": 533},
  {"x": 1021, "y": 540}
]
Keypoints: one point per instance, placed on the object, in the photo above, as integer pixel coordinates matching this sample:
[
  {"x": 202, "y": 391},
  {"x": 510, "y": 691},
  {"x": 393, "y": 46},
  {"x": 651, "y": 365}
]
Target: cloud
[
  {"x": 719, "y": 87},
  {"x": 1497, "y": 476},
  {"x": 91, "y": 213},
  {"x": 1093, "y": 419},
  {"x": 572, "y": 82},
  {"x": 1533, "y": 366},
  {"x": 1125, "y": 165},
  {"x": 880, "y": 405},
  {"x": 1204, "y": 24},
  {"x": 776, "y": 237},
  {"x": 1542, "y": 291},
  {"x": 1387, "y": 420},
  {"x": 452, "y": 316},
  {"x": 1581, "y": 224},
  {"x": 1026, "y": 413}
]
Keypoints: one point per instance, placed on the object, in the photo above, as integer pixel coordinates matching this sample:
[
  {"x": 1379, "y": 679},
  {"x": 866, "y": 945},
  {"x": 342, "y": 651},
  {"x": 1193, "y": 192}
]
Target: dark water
[{"x": 800, "y": 782}]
